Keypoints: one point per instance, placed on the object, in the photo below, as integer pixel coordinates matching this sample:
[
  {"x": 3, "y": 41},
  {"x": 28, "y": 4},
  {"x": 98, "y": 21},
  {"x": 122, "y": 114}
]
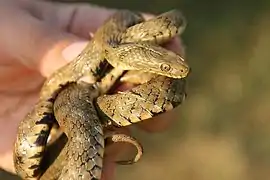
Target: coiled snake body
[{"x": 126, "y": 42}]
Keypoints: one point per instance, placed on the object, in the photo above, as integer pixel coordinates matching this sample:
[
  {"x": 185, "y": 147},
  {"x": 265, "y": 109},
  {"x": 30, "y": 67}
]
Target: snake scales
[{"x": 126, "y": 42}]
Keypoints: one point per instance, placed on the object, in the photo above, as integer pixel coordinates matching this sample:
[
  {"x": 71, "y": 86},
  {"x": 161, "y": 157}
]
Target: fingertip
[
  {"x": 176, "y": 46},
  {"x": 148, "y": 16},
  {"x": 73, "y": 50},
  {"x": 59, "y": 55},
  {"x": 108, "y": 170},
  {"x": 112, "y": 152},
  {"x": 159, "y": 123},
  {"x": 114, "y": 149}
]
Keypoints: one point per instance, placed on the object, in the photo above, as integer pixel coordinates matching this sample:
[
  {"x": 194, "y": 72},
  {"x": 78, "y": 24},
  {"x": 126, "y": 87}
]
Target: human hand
[{"x": 37, "y": 38}]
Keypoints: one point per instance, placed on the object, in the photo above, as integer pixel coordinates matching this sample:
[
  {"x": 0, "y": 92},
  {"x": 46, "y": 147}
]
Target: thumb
[{"x": 37, "y": 43}]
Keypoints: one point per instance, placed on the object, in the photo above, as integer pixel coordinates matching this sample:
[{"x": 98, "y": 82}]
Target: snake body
[
  {"x": 143, "y": 102},
  {"x": 127, "y": 42},
  {"x": 82, "y": 156}
]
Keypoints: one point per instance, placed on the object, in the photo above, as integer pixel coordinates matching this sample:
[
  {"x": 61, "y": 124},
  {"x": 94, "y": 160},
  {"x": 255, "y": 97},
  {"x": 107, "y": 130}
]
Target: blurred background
[{"x": 222, "y": 129}]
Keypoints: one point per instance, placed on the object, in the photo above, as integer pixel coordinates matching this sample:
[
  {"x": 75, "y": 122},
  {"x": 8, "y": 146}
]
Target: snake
[{"x": 127, "y": 42}]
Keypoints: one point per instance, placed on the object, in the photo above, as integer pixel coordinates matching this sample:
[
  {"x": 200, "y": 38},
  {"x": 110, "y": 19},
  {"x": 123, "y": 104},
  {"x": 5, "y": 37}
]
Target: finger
[
  {"x": 112, "y": 151},
  {"x": 38, "y": 44},
  {"x": 159, "y": 123},
  {"x": 176, "y": 46},
  {"x": 30, "y": 41},
  {"x": 77, "y": 18},
  {"x": 108, "y": 170}
]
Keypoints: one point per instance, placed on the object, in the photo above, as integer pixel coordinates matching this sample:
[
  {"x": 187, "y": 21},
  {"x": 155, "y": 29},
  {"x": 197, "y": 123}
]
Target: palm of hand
[{"x": 19, "y": 89}]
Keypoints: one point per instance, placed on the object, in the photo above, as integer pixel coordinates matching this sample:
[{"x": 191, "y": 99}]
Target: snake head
[
  {"x": 147, "y": 58},
  {"x": 172, "y": 65}
]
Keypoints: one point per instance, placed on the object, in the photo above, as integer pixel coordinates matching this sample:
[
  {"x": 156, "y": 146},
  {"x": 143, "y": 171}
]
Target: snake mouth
[
  {"x": 188, "y": 71},
  {"x": 122, "y": 87}
]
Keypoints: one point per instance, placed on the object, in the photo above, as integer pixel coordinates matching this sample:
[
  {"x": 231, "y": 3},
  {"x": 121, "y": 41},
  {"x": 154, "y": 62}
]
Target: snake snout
[
  {"x": 181, "y": 72},
  {"x": 185, "y": 71}
]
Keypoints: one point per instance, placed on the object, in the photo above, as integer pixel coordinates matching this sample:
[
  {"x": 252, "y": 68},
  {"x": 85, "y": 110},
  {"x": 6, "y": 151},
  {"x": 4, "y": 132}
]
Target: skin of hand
[{"x": 36, "y": 38}]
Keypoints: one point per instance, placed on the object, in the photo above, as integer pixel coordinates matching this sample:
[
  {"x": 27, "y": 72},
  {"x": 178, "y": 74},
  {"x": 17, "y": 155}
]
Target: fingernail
[
  {"x": 73, "y": 50},
  {"x": 148, "y": 16}
]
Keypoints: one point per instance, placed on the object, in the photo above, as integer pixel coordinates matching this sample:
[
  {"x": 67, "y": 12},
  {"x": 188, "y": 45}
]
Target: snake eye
[{"x": 165, "y": 67}]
